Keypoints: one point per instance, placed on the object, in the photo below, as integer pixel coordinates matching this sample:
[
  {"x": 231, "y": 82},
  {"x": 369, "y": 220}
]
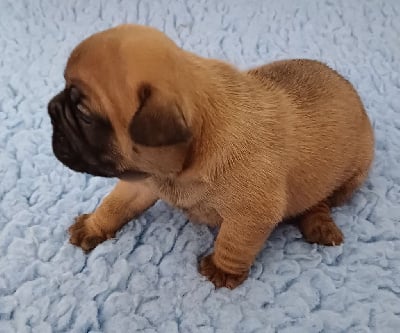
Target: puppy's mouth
[
  {"x": 78, "y": 163},
  {"x": 132, "y": 175},
  {"x": 100, "y": 166}
]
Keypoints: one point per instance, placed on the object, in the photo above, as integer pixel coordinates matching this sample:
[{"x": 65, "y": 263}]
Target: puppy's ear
[{"x": 158, "y": 121}]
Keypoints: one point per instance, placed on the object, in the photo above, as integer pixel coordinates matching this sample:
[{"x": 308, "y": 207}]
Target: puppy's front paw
[
  {"x": 217, "y": 276},
  {"x": 85, "y": 234}
]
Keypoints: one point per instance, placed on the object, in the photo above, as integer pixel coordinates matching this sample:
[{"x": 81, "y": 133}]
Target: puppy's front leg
[
  {"x": 126, "y": 200},
  {"x": 238, "y": 242}
]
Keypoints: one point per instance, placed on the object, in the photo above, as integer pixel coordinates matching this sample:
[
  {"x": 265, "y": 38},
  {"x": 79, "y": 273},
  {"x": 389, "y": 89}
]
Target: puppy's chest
[{"x": 180, "y": 194}]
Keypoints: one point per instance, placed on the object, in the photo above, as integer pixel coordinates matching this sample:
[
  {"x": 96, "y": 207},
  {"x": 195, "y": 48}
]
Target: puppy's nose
[{"x": 54, "y": 108}]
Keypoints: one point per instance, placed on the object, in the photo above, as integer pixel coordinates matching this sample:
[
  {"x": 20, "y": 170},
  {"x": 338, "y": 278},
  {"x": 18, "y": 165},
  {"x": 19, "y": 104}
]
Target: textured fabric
[{"x": 146, "y": 279}]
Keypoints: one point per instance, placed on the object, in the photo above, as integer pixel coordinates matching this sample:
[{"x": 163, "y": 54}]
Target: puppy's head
[{"x": 123, "y": 112}]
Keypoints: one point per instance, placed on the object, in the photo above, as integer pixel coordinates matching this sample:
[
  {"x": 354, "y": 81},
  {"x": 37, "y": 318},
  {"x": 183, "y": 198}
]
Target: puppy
[{"x": 237, "y": 150}]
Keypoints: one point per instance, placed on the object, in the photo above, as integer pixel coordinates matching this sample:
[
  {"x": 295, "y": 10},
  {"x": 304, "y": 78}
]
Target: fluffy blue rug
[{"x": 146, "y": 280}]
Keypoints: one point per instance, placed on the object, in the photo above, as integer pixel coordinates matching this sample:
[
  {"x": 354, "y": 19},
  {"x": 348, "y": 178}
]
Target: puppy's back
[{"x": 307, "y": 82}]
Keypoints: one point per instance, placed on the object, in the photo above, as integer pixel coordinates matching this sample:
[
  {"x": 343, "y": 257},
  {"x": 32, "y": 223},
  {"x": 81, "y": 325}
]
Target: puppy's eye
[{"x": 84, "y": 114}]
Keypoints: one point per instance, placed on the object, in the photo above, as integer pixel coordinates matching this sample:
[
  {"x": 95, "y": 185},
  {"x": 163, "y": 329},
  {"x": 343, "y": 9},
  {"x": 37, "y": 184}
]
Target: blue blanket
[{"x": 146, "y": 280}]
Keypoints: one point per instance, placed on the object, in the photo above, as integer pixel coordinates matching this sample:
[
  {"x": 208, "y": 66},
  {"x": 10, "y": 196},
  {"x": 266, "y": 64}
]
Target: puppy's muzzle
[
  {"x": 66, "y": 141},
  {"x": 61, "y": 146},
  {"x": 55, "y": 108}
]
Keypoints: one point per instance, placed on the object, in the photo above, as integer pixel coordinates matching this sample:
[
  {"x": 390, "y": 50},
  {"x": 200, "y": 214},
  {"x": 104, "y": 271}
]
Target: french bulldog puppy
[{"x": 240, "y": 150}]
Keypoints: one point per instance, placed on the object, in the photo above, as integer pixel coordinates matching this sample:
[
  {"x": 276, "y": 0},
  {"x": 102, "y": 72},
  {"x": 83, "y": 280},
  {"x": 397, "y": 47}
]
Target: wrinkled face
[
  {"x": 119, "y": 114},
  {"x": 82, "y": 140}
]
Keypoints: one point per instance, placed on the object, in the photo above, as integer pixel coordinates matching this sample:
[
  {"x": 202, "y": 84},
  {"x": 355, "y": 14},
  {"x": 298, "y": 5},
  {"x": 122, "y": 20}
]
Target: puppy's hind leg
[
  {"x": 317, "y": 226},
  {"x": 126, "y": 201},
  {"x": 341, "y": 195}
]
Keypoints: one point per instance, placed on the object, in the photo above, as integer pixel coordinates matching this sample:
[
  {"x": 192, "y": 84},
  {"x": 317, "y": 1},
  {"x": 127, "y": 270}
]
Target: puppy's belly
[{"x": 200, "y": 213}]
